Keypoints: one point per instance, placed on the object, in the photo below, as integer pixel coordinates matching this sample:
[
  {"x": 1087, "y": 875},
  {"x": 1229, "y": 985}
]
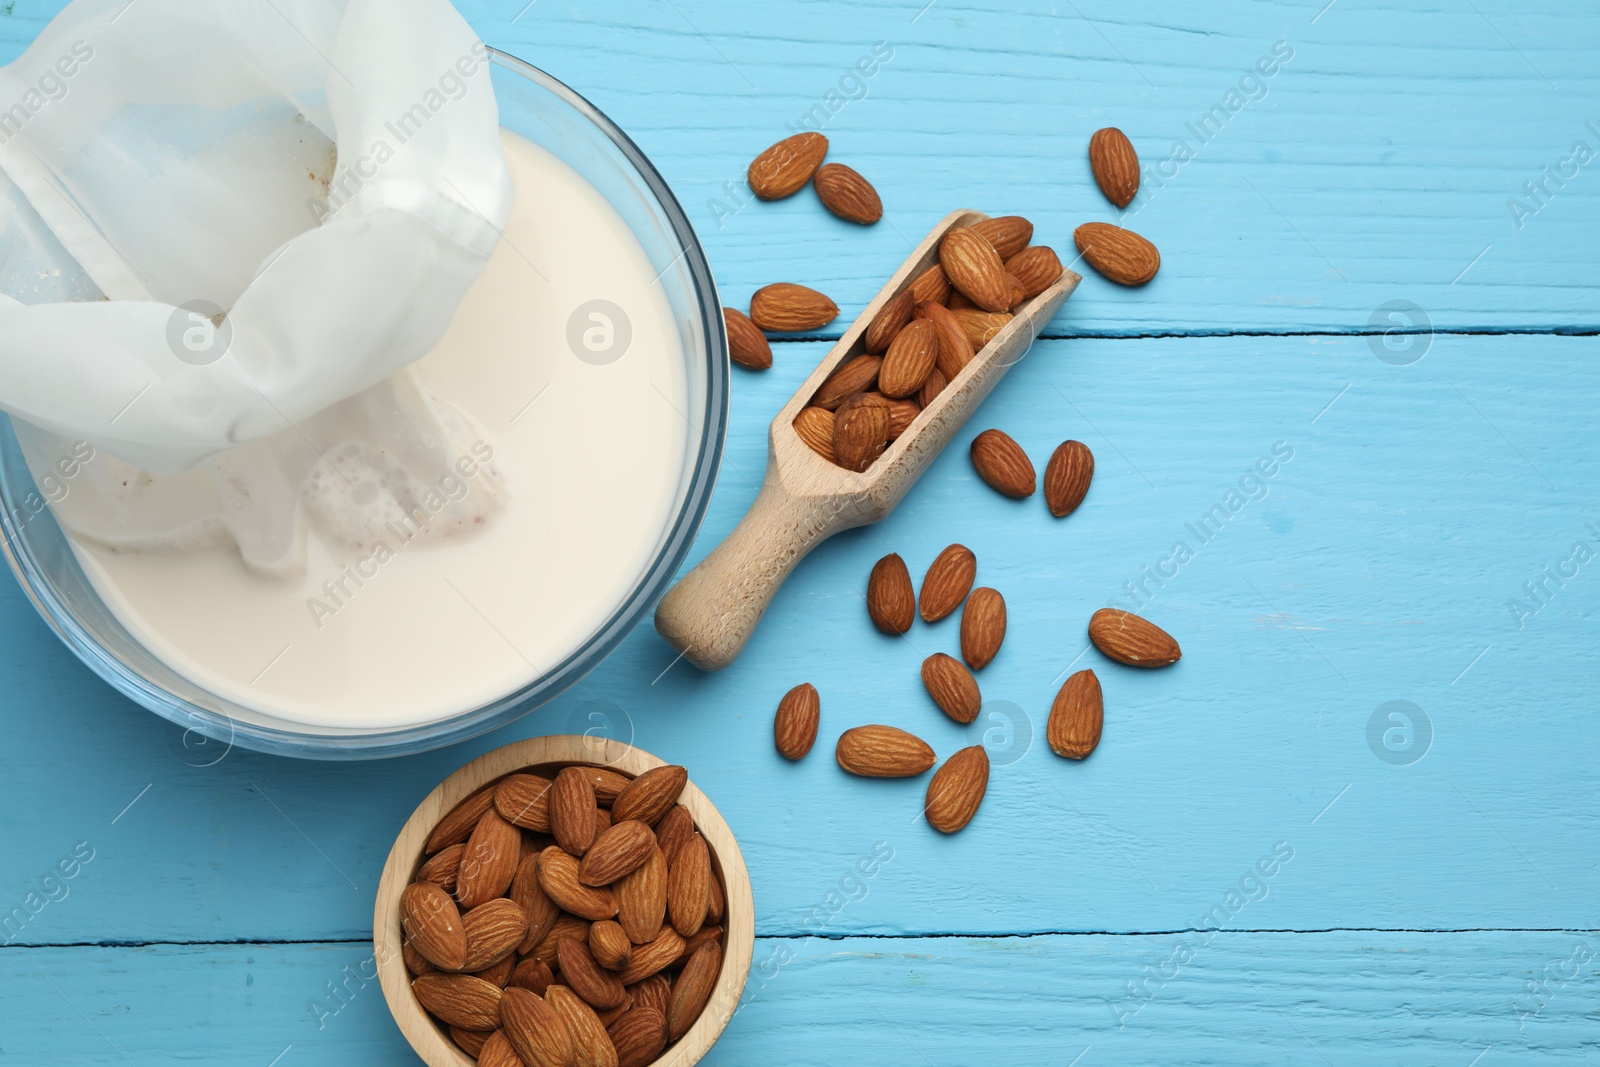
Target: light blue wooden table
[{"x": 1432, "y": 889}]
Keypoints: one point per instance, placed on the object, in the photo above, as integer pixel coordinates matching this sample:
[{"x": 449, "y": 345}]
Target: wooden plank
[
  {"x": 1378, "y": 567},
  {"x": 1376, "y": 164},
  {"x": 1248, "y": 998}
]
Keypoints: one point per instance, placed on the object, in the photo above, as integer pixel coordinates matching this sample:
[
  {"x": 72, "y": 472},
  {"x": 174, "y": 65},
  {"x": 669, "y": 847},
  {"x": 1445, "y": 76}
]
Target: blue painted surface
[{"x": 1432, "y": 908}]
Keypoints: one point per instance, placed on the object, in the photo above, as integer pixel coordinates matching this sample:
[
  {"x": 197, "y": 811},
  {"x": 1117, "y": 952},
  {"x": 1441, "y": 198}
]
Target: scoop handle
[{"x": 711, "y": 612}]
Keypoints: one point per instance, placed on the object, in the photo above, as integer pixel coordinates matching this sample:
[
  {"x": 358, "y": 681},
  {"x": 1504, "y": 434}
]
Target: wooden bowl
[{"x": 549, "y": 754}]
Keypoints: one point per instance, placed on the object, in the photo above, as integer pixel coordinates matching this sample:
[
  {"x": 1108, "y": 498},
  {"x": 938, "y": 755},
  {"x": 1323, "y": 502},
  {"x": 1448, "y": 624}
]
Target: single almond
[
  {"x": 524, "y": 800},
  {"x": 794, "y": 729},
  {"x": 932, "y": 286},
  {"x": 1002, "y": 463},
  {"x": 975, "y": 268},
  {"x": 470, "y": 1041},
  {"x": 883, "y": 752},
  {"x": 983, "y": 627},
  {"x": 860, "y": 431},
  {"x": 958, "y": 301},
  {"x": 609, "y": 944},
  {"x": 489, "y": 862},
  {"x": 952, "y": 687},
  {"x": 747, "y": 345},
  {"x": 891, "y": 599},
  {"x": 599, "y": 987},
  {"x": 686, "y": 886},
  {"x": 443, "y": 867},
  {"x": 1115, "y": 165},
  {"x": 654, "y": 956},
  {"x": 651, "y": 795},
  {"x": 498, "y": 1052},
  {"x": 784, "y": 169},
  {"x": 564, "y": 927},
  {"x": 1130, "y": 639},
  {"x": 981, "y": 326},
  {"x": 1121, "y": 255},
  {"x": 889, "y": 321},
  {"x": 691, "y": 945},
  {"x": 911, "y": 356},
  {"x": 558, "y": 877},
  {"x": 786, "y": 308},
  {"x": 532, "y": 974},
  {"x": 537, "y": 907},
  {"x": 458, "y": 825},
  {"x": 415, "y": 961},
  {"x": 1037, "y": 267},
  {"x": 692, "y": 990},
  {"x": 652, "y": 993},
  {"x": 639, "y": 1037},
  {"x": 931, "y": 388},
  {"x": 572, "y": 811},
  {"x": 498, "y": 973},
  {"x": 1067, "y": 477},
  {"x": 642, "y": 898},
  {"x": 673, "y": 829},
  {"x": 602, "y": 821},
  {"x": 854, "y": 376},
  {"x": 814, "y": 426},
  {"x": 1009, "y": 234},
  {"x": 902, "y": 413},
  {"x": 955, "y": 348},
  {"x": 617, "y": 852},
  {"x": 847, "y": 194},
  {"x": 494, "y": 930},
  {"x": 536, "y": 1030},
  {"x": 462, "y": 1000},
  {"x": 432, "y": 925},
  {"x": 591, "y": 1045},
  {"x": 957, "y": 788},
  {"x": 607, "y": 783},
  {"x": 1019, "y": 292},
  {"x": 1076, "y": 717},
  {"x": 611, "y": 1015},
  {"x": 948, "y": 581},
  {"x": 716, "y": 902}
]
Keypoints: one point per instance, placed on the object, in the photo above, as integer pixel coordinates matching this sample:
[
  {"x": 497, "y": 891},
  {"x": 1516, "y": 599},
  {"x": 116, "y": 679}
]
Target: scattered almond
[
  {"x": 891, "y": 600},
  {"x": 883, "y": 752},
  {"x": 1115, "y": 165},
  {"x": 1121, "y": 255},
  {"x": 794, "y": 729},
  {"x": 975, "y": 268},
  {"x": 952, "y": 687},
  {"x": 1076, "y": 717},
  {"x": 786, "y": 167},
  {"x": 1067, "y": 477},
  {"x": 847, "y": 194},
  {"x": 983, "y": 627},
  {"x": 957, "y": 788},
  {"x": 1002, "y": 463},
  {"x": 787, "y": 308},
  {"x": 1130, "y": 639},
  {"x": 747, "y": 345},
  {"x": 948, "y": 581}
]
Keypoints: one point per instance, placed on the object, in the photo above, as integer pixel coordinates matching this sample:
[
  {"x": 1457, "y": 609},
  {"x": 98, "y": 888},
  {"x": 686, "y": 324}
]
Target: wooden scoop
[{"x": 712, "y": 611}]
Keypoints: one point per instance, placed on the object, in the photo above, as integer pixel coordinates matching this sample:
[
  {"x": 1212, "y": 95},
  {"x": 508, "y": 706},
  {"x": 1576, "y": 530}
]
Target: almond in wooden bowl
[{"x": 544, "y": 983}]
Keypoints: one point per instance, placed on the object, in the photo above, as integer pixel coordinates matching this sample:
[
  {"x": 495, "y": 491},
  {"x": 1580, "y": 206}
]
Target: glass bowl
[{"x": 553, "y": 116}]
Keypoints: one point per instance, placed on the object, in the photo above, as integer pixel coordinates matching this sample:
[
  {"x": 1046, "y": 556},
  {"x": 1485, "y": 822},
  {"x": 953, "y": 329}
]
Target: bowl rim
[
  {"x": 215, "y": 724},
  {"x": 406, "y": 855}
]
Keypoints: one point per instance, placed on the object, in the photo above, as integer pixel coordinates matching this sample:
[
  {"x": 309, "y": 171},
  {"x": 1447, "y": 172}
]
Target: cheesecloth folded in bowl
[{"x": 225, "y": 230}]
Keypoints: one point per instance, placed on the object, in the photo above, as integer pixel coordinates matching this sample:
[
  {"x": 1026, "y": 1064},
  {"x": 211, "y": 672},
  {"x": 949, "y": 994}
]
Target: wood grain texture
[
  {"x": 1385, "y": 561},
  {"x": 1346, "y": 997}
]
